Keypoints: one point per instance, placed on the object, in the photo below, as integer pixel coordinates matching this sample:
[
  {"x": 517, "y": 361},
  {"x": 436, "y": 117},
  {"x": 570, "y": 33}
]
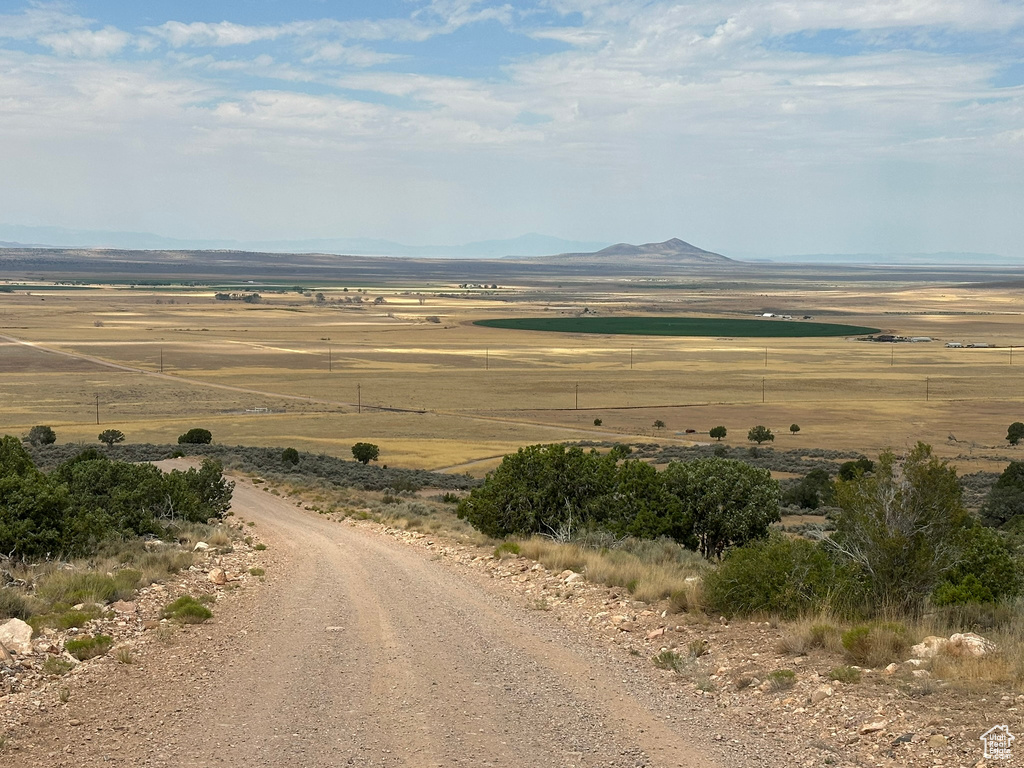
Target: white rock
[
  {"x": 969, "y": 644},
  {"x": 922, "y": 673},
  {"x": 16, "y": 636},
  {"x": 930, "y": 647},
  {"x": 891, "y": 669},
  {"x": 201, "y": 546},
  {"x": 218, "y": 576}
]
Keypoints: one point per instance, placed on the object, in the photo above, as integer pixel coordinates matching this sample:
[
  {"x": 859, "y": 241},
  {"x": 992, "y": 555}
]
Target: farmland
[
  {"x": 678, "y": 326},
  {"x": 404, "y": 364}
]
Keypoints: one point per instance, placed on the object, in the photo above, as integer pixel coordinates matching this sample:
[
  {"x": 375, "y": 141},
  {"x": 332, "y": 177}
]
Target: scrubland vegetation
[{"x": 905, "y": 556}]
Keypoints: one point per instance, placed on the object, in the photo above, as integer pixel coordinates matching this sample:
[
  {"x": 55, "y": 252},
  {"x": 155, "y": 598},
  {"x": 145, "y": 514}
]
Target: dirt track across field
[{"x": 362, "y": 651}]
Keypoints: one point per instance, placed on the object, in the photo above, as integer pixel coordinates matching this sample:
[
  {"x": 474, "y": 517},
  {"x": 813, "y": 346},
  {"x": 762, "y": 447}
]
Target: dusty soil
[{"x": 372, "y": 646}]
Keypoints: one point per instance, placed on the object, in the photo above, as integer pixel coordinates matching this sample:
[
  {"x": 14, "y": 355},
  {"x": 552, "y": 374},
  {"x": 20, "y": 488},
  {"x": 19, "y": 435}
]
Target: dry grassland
[{"x": 487, "y": 391}]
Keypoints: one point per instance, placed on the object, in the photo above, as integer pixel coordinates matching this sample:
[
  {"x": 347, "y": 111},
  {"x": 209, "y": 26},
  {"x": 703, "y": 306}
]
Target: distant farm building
[
  {"x": 954, "y": 345},
  {"x": 920, "y": 338}
]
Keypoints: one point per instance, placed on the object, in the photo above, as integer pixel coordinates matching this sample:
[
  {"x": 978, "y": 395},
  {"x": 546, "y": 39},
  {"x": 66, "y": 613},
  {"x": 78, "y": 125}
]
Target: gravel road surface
[{"x": 361, "y": 651}]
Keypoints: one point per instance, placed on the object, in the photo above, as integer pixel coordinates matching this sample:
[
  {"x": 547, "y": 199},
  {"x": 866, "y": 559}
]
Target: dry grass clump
[
  {"x": 1002, "y": 667},
  {"x": 649, "y": 576},
  {"x": 809, "y": 634},
  {"x": 876, "y": 645}
]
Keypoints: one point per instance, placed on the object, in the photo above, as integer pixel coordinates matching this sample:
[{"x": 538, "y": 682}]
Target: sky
[{"x": 754, "y": 127}]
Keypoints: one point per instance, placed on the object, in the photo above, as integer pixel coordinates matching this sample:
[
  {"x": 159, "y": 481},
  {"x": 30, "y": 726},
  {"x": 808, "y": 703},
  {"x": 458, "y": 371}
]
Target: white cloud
[
  {"x": 87, "y": 42},
  {"x": 649, "y": 103}
]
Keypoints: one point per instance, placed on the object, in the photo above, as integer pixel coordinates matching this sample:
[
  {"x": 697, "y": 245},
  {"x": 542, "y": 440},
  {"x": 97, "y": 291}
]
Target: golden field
[{"x": 483, "y": 392}]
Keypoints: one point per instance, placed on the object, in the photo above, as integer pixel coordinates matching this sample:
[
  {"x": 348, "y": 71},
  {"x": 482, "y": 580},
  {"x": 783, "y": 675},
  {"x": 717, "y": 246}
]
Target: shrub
[
  {"x": 698, "y": 647},
  {"x": 1015, "y": 432},
  {"x": 506, "y": 548},
  {"x": 187, "y": 610},
  {"x": 986, "y": 571},
  {"x": 55, "y": 666},
  {"x": 41, "y": 435},
  {"x": 196, "y": 436},
  {"x": 260, "y": 547},
  {"x": 902, "y": 528},
  {"x": 760, "y": 434},
  {"x": 781, "y": 680},
  {"x": 780, "y": 576},
  {"x": 1005, "y": 500},
  {"x": 257, "y": 572},
  {"x": 718, "y": 432},
  {"x": 844, "y": 674},
  {"x": 12, "y": 605},
  {"x": 669, "y": 660},
  {"x": 290, "y": 456},
  {"x": 850, "y": 469},
  {"x": 875, "y": 645},
  {"x": 598, "y": 422},
  {"x": 89, "y": 647}
]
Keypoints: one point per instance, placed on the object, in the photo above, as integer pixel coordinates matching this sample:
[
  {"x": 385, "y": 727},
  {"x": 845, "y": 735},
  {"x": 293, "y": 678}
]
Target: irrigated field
[
  {"x": 414, "y": 374},
  {"x": 680, "y": 326}
]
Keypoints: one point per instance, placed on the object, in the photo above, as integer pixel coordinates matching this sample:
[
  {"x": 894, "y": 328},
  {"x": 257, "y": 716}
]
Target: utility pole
[
  {"x": 359, "y": 398},
  {"x": 766, "y": 357},
  {"x": 927, "y": 386},
  {"x": 762, "y": 389},
  {"x": 97, "y": 407},
  {"x": 631, "y": 358},
  {"x": 577, "y": 395}
]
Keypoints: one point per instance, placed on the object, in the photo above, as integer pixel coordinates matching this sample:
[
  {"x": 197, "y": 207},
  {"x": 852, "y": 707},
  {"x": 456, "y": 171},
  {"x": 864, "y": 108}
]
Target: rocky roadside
[
  {"x": 899, "y": 716},
  {"x": 29, "y": 684}
]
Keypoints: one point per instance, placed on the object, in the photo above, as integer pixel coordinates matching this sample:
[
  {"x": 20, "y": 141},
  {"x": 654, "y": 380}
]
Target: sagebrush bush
[{"x": 782, "y": 577}]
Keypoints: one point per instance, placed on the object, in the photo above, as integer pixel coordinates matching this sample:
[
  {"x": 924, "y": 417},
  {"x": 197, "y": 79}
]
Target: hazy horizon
[{"x": 743, "y": 127}]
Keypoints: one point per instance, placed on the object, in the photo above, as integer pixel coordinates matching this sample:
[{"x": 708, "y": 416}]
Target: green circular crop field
[{"x": 679, "y": 326}]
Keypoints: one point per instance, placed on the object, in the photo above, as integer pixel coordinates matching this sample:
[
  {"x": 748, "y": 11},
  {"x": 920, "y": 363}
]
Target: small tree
[
  {"x": 195, "y": 436},
  {"x": 111, "y": 436},
  {"x": 365, "y": 452},
  {"x": 902, "y": 527},
  {"x": 290, "y": 456},
  {"x": 1015, "y": 432},
  {"x": 659, "y": 424},
  {"x": 760, "y": 434},
  {"x": 794, "y": 428},
  {"x": 41, "y": 435},
  {"x": 724, "y": 502},
  {"x": 718, "y": 433},
  {"x": 597, "y": 422}
]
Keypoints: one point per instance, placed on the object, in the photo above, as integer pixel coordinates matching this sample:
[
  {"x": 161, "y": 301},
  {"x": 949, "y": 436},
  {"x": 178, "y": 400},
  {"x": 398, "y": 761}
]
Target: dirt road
[{"x": 362, "y": 651}]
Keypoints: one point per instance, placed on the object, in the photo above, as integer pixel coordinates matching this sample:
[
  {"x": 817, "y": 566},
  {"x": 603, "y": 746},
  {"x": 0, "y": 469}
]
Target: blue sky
[{"x": 746, "y": 127}]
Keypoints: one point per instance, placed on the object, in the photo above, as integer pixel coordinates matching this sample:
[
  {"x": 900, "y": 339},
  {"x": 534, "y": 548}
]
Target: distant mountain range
[
  {"x": 58, "y": 237},
  {"x": 536, "y": 247},
  {"x": 942, "y": 258},
  {"x": 674, "y": 251}
]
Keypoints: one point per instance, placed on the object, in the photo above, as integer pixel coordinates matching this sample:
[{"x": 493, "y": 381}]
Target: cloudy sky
[{"x": 750, "y": 127}]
